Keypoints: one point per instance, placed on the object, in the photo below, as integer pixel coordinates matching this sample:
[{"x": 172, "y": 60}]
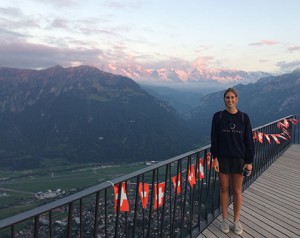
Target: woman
[{"x": 233, "y": 149}]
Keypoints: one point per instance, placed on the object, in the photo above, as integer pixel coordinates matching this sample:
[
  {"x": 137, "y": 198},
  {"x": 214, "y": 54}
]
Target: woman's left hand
[
  {"x": 248, "y": 167},
  {"x": 216, "y": 165}
]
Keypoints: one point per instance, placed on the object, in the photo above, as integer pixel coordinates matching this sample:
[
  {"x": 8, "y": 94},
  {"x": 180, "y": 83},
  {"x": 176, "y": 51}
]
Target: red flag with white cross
[
  {"x": 255, "y": 136},
  {"x": 260, "y": 137},
  {"x": 191, "y": 175},
  {"x": 124, "y": 204},
  {"x": 159, "y": 195},
  {"x": 177, "y": 183},
  {"x": 275, "y": 138},
  {"x": 201, "y": 168},
  {"x": 210, "y": 161},
  {"x": 144, "y": 193}
]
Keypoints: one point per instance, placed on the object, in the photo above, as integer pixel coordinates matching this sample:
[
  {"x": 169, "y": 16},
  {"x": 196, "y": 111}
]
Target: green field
[{"x": 17, "y": 188}]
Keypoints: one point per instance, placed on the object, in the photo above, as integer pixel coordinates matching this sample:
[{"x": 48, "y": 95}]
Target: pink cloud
[
  {"x": 269, "y": 42},
  {"x": 201, "y": 63},
  {"x": 265, "y": 42}
]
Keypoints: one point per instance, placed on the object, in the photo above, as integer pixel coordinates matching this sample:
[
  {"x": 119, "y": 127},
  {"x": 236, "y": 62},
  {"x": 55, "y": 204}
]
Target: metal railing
[{"x": 178, "y": 197}]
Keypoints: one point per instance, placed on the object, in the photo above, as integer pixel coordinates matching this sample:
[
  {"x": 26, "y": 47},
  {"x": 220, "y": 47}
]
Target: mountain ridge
[
  {"x": 84, "y": 115},
  {"x": 187, "y": 74}
]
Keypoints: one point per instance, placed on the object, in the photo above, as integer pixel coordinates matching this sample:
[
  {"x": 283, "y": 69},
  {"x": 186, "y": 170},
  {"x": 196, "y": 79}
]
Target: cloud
[
  {"x": 202, "y": 63},
  {"x": 135, "y": 4},
  {"x": 90, "y": 30},
  {"x": 14, "y": 18},
  {"x": 288, "y": 66},
  {"x": 10, "y": 11},
  {"x": 60, "y": 23},
  {"x": 263, "y": 60},
  {"x": 60, "y": 3},
  {"x": 7, "y": 35},
  {"x": 264, "y": 42},
  {"x": 14, "y": 54},
  {"x": 295, "y": 48},
  {"x": 204, "y": 47}
]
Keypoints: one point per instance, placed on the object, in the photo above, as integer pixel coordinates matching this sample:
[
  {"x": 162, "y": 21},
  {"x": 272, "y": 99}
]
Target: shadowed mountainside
[{"x": 82, "y": 114}]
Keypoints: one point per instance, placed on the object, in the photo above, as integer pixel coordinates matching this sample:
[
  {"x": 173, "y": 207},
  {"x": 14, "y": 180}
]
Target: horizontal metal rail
[{"x": 175, "y": 197}]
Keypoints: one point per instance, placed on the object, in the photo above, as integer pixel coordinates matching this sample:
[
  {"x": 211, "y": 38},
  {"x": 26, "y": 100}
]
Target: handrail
[{"x": 182, "y": 213}]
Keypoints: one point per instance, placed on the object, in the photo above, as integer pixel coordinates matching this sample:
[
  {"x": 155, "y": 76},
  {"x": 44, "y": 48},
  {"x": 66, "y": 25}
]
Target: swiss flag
[
  {"x": 260, "y": 137},
  {"x": 210, "y": 161},
  {"x": 144, "y": 193},
  {"x": 191, "y": 175},
  {"x": 294, "y": 121},
  {"x": 159, "y": 194},
  {"x": 275, "y": 138},
  {"x": 286, "y": 123},
  {"x": 286, "y": 132},
  {"x": 124, "y": 204},
  {"x": 177, "y": 182},
  {"x": 255, "y": 135},
  {"x": 279, "y": 124},
  {"x": 201, "y": 168},
  {"x": 281, "y": 136}
]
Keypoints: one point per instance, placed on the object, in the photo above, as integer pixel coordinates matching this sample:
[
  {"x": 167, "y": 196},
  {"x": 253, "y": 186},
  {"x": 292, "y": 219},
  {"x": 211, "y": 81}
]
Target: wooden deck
[{"x": 271, "y": 205}]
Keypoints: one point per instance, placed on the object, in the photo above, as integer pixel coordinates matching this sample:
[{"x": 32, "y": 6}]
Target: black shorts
[{"x": 231, "y": 165}]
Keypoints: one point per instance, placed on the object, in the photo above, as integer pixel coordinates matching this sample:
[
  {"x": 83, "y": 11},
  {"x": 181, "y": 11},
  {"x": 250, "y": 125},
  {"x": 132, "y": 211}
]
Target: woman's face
[{"x": 230, "y": 100}]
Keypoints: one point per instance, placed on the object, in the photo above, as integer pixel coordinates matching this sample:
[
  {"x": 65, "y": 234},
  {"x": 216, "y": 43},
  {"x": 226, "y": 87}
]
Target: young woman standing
[{"x": 233, "y": 149}]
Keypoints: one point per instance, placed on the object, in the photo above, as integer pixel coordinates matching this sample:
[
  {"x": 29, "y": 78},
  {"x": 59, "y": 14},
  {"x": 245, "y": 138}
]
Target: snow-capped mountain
[{"x": 187, "y": 74}]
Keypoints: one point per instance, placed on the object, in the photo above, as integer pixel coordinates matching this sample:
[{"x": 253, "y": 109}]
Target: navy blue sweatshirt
[{"x": 231, "y": 136}]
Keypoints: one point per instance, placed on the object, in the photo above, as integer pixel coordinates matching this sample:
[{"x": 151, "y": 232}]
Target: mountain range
[
  {"x": 82, "y": 114},
  {"x": 194, "y": 73}
]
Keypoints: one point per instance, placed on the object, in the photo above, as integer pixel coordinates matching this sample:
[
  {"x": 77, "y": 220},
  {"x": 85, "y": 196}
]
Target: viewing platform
[
  {"x": 179, "y": 197},
  {"x": 271, "y": 205}
]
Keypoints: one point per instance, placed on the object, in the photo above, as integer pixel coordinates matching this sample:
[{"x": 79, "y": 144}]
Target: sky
[{"x": 256, "y": 35}]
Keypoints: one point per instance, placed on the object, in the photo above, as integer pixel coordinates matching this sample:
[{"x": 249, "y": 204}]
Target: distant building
[
  {"x": 49, "y": 194},
  {"x": 3, "y": 195},
  {"x": 151, "y": 162}
]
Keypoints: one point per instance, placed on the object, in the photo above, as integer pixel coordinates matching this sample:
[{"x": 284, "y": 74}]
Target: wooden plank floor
[{"x": 271, "y": 205}]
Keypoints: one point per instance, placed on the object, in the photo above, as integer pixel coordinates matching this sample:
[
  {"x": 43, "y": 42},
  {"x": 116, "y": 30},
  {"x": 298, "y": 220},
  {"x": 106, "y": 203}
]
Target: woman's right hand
[{"x": 216, "y": 165}]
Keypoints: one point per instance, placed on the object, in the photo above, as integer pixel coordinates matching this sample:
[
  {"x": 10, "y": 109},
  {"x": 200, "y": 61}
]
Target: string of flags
[
  {"x": 122, "y": 203},
  {"x": 285, "y": 134}
]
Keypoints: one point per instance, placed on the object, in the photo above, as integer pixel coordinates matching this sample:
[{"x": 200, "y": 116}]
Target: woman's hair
[{"x": 231, "y": 90}]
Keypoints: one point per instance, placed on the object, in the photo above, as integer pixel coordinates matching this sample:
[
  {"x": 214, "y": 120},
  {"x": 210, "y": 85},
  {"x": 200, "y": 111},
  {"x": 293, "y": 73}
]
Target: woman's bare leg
[
  {"x": 224, "y": 198},
  {"x": 237, "y": 183}
]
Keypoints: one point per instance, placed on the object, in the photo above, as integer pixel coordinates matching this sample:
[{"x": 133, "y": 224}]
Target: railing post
[
  {"x": 36, "y": 226},
  {"x": 96, "y": 214},
  {"x": 135, "y": 204},
  {"x": 50, "y": 224},
  {"x": 70, "y": 215},
  {"x": 12, "y": 231},
  {"x": 81, "y": 218}
]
